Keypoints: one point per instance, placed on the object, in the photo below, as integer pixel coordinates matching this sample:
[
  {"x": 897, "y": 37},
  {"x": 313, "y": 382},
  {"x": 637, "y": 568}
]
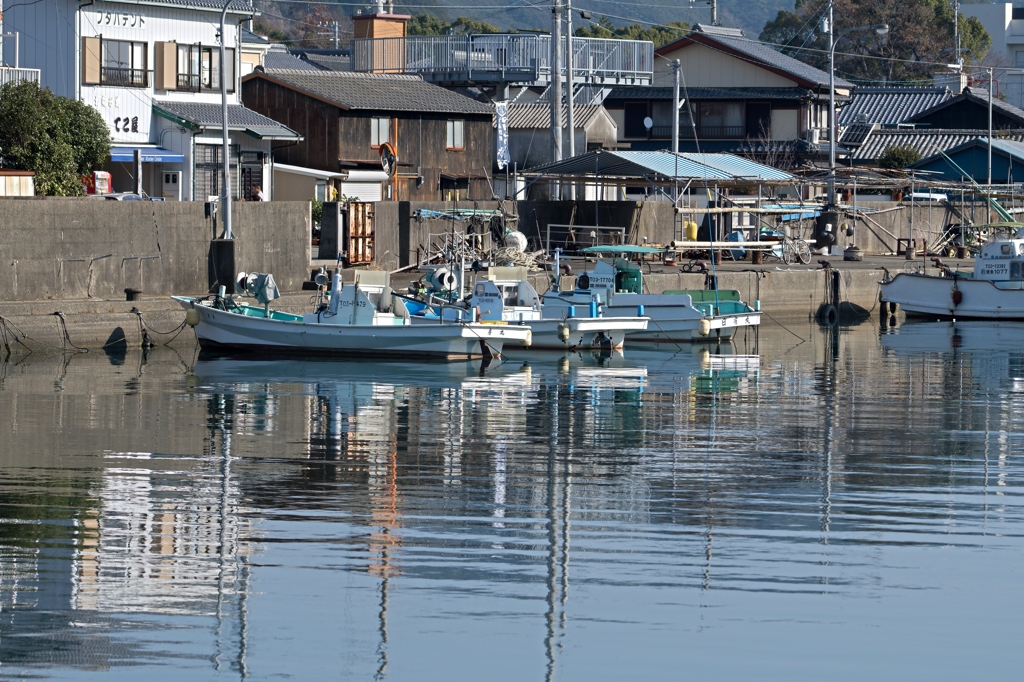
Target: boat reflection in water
[
  {"x": 994, "y": 349},
  {"x": 392, "y": 432}
]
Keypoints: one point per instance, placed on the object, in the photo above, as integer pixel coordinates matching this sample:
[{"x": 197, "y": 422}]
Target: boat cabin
[
  {"x": 618, "y": 276},
  {"x": 506, "y": 295},
  {"x": 1002, "y": 260}
]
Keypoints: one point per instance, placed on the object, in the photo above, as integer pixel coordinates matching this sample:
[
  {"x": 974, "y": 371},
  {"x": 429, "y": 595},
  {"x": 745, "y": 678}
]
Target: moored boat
[
  {"x": 615, "y": 288},
  {"x": 507, "y": 296},
  {"x": 994, "y": 290},
  {"x": 366, "y": 319}
]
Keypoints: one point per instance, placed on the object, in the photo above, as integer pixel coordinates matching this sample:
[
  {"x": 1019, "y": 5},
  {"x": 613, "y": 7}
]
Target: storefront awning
[{"x": 149, "y": 155}]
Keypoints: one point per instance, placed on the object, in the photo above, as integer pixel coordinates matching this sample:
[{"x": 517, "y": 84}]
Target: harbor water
[{"x": 816, "y": 503}]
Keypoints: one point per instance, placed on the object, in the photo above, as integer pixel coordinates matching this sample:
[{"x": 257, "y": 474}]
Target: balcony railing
[
  {"x": 11, "y": 75},
  {"x": 188, "y": 82},
  {"x": 709, "y": 132},
  {"x": 125, "y": 78},
  {"x": 519, "y": 58}
]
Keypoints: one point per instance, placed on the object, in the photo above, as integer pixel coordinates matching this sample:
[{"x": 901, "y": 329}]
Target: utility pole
[
  {"x": 569, "y": 84},
  {"x": 956, "y": 32},
  {"x": 556, "y": 81},
  {"x": 675, "y": 107}
]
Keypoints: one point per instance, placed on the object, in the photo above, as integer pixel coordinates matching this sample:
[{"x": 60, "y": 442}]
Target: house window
[
  {"x": 721, "y": 120},
  {"x": 199, "y": 68},
  {"x": 209, "y": 165},
  {"x": 380, "y": 131},
  {"x": 456, "y": 131},
  {"x": 123, "y": 63},
  {"x": 634, "y": 114},
  {"x": 1018, "y": 13}
]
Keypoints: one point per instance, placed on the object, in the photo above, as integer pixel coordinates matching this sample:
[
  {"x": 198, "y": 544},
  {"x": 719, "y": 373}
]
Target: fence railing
[
  {"x": 710, "y": 132},
  {"x": 9, "y": 74},
  {"x": 512, "y": 57},
  {"x": 127, "y": 78},
  {"x": 188, "y": 82}
]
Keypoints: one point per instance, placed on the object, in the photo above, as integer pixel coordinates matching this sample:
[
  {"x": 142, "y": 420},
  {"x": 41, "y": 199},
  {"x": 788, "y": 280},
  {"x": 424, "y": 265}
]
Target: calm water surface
[{"x": 843, "y": 506}]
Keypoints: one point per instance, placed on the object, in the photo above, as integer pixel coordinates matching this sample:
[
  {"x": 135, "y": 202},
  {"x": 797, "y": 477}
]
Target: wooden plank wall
[{"x": 333, "y": 135}]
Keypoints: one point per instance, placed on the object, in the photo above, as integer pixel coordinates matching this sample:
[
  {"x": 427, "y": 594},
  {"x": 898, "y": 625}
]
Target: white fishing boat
[
  {"x": 365, "y": 319},
  {"x": 615, "y": 288},
  {"x": 994, "y": 290},
  {"x": 507, "y": 296}
]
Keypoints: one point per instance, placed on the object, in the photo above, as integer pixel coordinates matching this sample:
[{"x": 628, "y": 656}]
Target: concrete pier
[{"x": 787, "y": 294}]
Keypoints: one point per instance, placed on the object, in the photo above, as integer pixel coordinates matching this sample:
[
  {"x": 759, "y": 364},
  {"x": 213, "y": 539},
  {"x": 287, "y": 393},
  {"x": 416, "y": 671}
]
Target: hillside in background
[{"x": 300, "y": 20}]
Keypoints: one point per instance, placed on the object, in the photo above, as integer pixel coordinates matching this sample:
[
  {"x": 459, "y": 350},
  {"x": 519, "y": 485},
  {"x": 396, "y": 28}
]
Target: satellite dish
[
  {"x": 388, "y": 158},
  {"x": 648, "y": 122}
]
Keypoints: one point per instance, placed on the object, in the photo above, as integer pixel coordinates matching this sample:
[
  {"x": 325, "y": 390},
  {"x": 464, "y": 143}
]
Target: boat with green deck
[{"x": 616, "y": 286}]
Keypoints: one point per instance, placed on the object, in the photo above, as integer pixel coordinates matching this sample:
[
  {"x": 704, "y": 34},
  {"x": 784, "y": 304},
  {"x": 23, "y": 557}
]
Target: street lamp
[
  {"x": 224, "y": 121},
  {"x": 829, "y": 28}
]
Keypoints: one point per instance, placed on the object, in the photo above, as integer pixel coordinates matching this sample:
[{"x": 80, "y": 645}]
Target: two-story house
[
  {"x": 741, "y": 97},
  {"x": 444, "y": 141},
  {"x": 153, "y": 71}
]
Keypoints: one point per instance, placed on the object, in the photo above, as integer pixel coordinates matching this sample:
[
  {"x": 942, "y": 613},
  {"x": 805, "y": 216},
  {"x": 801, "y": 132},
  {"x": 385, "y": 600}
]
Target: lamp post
[
  {"x": 224, "y": 121},
  {"x": 829, "y": 28}
]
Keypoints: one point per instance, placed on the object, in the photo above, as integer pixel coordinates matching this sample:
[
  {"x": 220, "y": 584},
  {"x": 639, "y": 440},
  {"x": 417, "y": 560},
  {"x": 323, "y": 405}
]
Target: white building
[
  {"x": 152, "y": 69},
  {"x": 1005, "y": 24}
]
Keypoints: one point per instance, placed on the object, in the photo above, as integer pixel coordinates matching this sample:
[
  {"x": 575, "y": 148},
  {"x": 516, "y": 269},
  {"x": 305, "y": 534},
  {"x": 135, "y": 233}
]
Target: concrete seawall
[{"x": 72, "y": 249}]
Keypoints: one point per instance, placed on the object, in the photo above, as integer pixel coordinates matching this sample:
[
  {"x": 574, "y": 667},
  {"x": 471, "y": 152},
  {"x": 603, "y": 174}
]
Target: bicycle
[{"x": 790, "y": 250}]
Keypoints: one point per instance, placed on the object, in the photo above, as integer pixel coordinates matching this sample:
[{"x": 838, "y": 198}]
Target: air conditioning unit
[{"x": 813, "y": 135}]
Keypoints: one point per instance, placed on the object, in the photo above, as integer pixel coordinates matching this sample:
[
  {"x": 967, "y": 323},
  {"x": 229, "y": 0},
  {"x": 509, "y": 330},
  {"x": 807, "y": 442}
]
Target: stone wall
[{"x": 63, "y": 249}]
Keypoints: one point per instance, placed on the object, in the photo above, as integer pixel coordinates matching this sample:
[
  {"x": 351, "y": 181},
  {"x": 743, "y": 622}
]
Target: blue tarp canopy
[
  {"x": 662, "y": 166},
  {"x": 149, "y": 155}
]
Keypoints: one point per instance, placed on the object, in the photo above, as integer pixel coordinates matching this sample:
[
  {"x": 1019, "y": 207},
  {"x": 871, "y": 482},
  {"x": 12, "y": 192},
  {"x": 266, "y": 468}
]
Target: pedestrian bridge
[{"x": 504, "y": 58}]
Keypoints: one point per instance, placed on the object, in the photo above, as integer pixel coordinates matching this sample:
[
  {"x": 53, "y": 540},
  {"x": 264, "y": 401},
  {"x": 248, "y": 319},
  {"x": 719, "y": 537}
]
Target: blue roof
[
  {"x": 148, "y": 155},
  {"x": 738, "y": 167},
  {"x": 664, "y": 164}
]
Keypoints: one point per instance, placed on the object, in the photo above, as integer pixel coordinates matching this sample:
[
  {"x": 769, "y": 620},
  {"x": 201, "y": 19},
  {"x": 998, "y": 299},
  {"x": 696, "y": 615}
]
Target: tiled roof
[
  {"x": 1013, "y": 148},
  {"x": 276, "y": 61},
  {"x": 927, "y": 141},
  {"x": 208, "y": 115},
  {"x": 330, "y": 62},
  {"x": 526, "y": 116},
  {"x": 654, "y": 93},
  {"x": 376, "y": 92},
  {"x": 890, "y": 105},
  {"x": 979, "y": 95},
  {"x": 758, "y": 52},
  {"x": 237, "y": 5},
  {"x": 251, "y": 38}
]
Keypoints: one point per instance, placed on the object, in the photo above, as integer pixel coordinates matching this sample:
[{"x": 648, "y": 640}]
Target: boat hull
[
  {"x": 222, "y": 329},
  {"x": 580, "y": 332},
  {"x": 670, "y": 321},
  {"x": 920, "y": 295}
]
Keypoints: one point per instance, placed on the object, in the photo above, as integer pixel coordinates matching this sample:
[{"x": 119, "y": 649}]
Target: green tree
[
  {"x": 57, "y": 138},
  {"x": 426, "y": 25},
  {"x": 429, "y": 25},
  {"x": 659, "y": 35},
  {"x": 920, "y": 35},
  {"x": 272, "y": 34},
  {"x": 898, "y": 156}
]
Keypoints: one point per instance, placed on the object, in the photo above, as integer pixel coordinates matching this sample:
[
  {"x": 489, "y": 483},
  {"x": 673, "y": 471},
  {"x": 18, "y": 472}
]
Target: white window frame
[
  {"x": 380, "y": 131},
  {"x": 456, "y": 134}
]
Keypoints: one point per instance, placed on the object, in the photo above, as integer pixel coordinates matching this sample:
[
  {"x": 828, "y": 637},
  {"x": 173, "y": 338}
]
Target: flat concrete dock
[{"x": 787, "y": 293}]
